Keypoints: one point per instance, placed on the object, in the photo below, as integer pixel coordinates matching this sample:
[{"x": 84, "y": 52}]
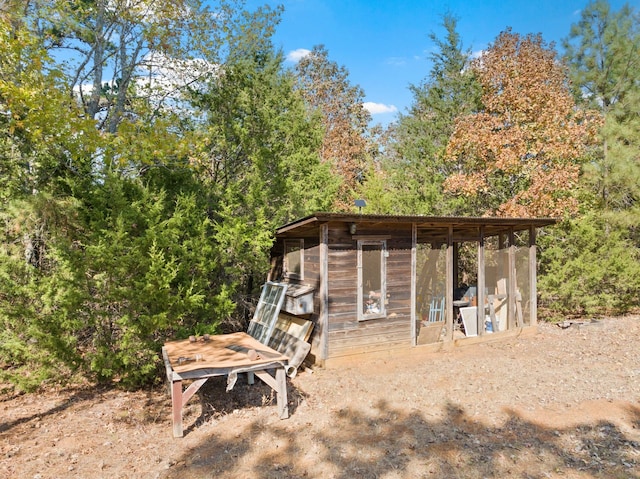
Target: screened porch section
[{"x": 473, "y": 281}]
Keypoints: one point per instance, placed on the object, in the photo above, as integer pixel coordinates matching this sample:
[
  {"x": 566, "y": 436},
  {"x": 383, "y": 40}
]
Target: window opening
[
  {"x": 294, "y": 259},
  {"x": 371, "y": 279}
]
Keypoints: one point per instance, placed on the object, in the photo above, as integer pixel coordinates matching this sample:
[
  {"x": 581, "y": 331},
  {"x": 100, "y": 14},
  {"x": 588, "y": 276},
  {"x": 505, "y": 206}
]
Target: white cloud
[
  {"x": 163, "y": 77},
  {"x": 378, "y": 108},
  {"x": 170, "y": 73},
  {"x": 295, "y": 55},
  {"x": 396, "y": 61},
  {"x": 163, "y": 80}
]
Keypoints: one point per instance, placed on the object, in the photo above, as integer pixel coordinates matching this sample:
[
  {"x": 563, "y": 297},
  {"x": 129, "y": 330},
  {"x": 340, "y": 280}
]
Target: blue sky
[{"x": 385, "y": 45}]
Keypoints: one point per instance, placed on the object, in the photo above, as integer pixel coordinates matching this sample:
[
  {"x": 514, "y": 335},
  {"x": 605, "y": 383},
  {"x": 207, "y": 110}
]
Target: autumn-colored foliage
[
  {"x": 327, "y": 91},
  {"x": 520, "y": 155}
]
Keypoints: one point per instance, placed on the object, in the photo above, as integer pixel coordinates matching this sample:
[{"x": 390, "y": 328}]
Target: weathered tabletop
[{"x": 221, "y": 355}]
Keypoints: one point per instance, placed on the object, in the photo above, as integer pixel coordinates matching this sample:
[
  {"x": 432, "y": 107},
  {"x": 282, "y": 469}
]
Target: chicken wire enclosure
[
  {"x": 484, "y": 264},
  {"x": 431, "y": 275},
  {"x": 506, "y": 260},
  {"x": 523, "y": 275},
  {"x": 496, "y": 274}
]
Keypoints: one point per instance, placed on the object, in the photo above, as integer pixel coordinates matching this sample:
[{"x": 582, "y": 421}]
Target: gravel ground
[{"x": 564, "y": 403}]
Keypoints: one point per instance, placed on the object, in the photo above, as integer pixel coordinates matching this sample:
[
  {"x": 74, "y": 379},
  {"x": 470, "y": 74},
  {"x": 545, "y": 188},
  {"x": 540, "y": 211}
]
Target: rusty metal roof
[{"x": 461, "y": 225}]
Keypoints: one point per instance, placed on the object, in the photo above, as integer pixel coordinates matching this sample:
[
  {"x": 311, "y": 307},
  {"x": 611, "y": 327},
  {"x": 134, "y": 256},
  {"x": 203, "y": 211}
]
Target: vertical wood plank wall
[
  {"x": 323, "y": 287},
  {"x": 345, "y": 334},
  {"x": 511, "y": 283}
]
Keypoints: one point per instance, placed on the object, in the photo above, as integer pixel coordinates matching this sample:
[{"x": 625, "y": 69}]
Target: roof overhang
[{"x": 462, "y": 226}]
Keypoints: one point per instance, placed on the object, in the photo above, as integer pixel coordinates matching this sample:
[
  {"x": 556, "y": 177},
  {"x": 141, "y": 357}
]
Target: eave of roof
[{"x": 419, "y": 220}]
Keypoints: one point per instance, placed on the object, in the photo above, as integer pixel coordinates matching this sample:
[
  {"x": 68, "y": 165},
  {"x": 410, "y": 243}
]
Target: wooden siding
[{"x": 347, "y": 335}]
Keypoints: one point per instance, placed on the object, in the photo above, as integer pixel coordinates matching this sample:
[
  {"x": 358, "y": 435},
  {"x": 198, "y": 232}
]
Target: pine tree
[
  {"x": 589, "y": 265},
  {"x": 603, "y": 54},
  {"x": 414, "y": 165}
]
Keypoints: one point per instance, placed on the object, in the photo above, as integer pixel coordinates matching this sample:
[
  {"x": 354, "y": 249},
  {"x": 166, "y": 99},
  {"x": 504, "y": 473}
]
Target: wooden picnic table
[{"x": 221, "y": 355}]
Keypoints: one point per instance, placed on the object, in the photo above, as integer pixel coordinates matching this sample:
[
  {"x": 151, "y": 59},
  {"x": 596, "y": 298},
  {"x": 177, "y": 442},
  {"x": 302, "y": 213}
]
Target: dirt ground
[{"x": 564, "y": 403}]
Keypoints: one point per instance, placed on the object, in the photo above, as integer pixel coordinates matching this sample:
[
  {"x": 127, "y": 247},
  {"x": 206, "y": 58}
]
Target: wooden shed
[{"x": 385, "y": 284}]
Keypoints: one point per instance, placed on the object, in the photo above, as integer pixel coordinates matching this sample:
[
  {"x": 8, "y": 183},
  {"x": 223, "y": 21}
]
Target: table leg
[
  {"x": 176, "y": 408},
  {"x": 281, "y": 393},
  {"x": 179, "y": 399},
  {"x": 279, "y": 385}
]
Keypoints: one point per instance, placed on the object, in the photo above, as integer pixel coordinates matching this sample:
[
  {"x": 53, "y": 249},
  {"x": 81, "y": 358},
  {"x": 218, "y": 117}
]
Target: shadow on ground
[
  {"x": 79, "y": 395},
  {"x": 152, "y": 405},
  {"x": 387, "y": 442},
  {"x": 215, "y": 402}
]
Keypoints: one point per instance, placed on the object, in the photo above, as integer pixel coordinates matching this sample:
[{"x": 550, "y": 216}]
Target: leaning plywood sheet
[
  {"x": 289, "y": 337},
  {"x": 498, "y": 311},
  {"x": 430, "y": 332},
  {"x": 470, "y": 320},
  {"x": 295, "y": 326}
]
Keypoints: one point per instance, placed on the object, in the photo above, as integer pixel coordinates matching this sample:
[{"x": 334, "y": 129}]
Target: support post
[
  {"x": 414, "y": 273},
  {"x": 176, "y": 408},
  {"x": 533, "y": 287},
  {"x": 281, "y": 393},
  {"x": 449, "y": 283},
  {"x": 279, "y": 385},
  {"x": 481, "y": 284},
  {"x": 179, "y": 399},
  {"x": 511, "y": 289},
  {"x": 323, "y": 314}
]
